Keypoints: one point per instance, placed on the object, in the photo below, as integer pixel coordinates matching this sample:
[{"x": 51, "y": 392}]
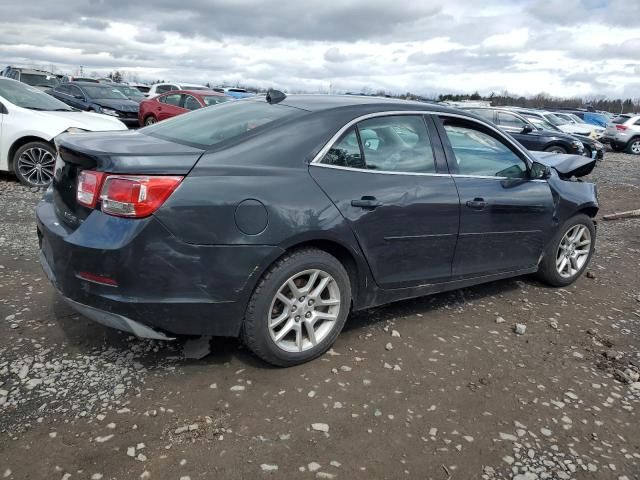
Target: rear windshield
[
  {"x": 621, "y": 119},
  {"x": 208, "y": 126}
]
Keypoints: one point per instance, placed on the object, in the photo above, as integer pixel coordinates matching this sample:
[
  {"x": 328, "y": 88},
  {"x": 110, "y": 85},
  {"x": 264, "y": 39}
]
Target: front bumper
[{"x": 165, "y": 287}]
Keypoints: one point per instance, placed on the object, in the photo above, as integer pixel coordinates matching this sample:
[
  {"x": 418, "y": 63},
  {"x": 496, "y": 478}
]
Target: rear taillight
[
  {"x": 134, "y": 196},
  {"x": 622, "y": 128},
  {"x": 89, "y": 184}
]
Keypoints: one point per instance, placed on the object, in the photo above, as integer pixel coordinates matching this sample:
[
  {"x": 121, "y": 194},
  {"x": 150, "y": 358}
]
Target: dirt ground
[{"x": 435, "y": 388}]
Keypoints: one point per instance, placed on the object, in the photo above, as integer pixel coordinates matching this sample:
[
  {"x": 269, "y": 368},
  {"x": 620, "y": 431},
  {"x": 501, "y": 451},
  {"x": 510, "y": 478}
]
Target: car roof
[
  {"x": 207, "y": 93},
  {"x": 81, "y": 83},
  {"x": 314, "y": 103}
]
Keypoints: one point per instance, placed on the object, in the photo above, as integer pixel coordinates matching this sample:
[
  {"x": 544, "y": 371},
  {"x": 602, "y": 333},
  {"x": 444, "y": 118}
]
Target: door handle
[
  {"x": 367, "y": 202},
  {"x": 477, "y": 203}
]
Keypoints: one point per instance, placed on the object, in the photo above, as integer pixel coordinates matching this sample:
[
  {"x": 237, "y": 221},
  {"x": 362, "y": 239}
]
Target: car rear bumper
[{"x": 165, "y": 287}]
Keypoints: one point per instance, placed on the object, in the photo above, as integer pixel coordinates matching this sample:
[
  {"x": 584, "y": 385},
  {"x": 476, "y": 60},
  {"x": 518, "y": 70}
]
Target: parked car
[
  {"x": 623, "y": 133},
  {"x": 550, "y": 117},
  {"x": 128, "y": 91},
  {"x": 175, "y": 103},
  {"x": 272, "y": 220},
  {"x": 144, "y": 89},
  {"x": 100, "y": 98},
  {"x": 592, "y": 148},
  {"x": 36, "y": 78},
  {"x": 71, "y": 78},
  {"x": 29, "y": 121},
  {"x": 160, "y": 88},
  {"x": 596, "y": 130},
  {"x": 234, "y": 92},
  {"x": 527, "y": 133}
]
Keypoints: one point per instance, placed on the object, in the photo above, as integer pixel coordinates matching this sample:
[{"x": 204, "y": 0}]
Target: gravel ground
[{"x": 440, "y": 387}]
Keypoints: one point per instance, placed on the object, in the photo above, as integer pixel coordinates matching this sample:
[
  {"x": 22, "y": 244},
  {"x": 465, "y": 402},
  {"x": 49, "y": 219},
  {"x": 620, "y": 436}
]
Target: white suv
[
  {"x": 623, "y": 133},
  {"x": 160, "y": 88}
]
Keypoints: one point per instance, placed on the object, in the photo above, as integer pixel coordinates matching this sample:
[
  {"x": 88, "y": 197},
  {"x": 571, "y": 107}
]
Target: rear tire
[
  {"x": 562, "y": 262},
  {"x": 633, "y": 147},
  {"x": 291, "y": 317},
  {"x": 34, "y": 164},
  {"x": 555, "y": 149}
]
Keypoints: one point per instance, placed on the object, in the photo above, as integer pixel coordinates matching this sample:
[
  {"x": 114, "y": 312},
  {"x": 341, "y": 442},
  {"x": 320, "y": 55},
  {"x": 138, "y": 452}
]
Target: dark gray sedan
[{"x": 273, "y": 218}]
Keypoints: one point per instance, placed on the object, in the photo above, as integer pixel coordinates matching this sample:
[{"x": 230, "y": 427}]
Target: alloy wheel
[
  {"x": 573, "y": 251},
  {"x": 36, "y": 166},
  {"x": 150, "y": 121},
  {"x": 635, "y": 147},
  {"x": 304, "y": 310}
]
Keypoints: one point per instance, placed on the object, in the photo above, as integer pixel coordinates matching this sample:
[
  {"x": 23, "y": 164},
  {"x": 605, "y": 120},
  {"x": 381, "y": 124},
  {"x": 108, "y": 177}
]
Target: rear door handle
[
  {"x": 366, "y": 202},
  {"x": 477, "y": 204}
]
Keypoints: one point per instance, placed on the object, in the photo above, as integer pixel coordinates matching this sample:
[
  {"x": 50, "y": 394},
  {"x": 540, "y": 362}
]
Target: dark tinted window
[
  {"x": 172, "y": 99},
  {"x": 73, "y": 91},
  {"x": 209, "y": 126},
  {"x": 190, "y": 103},
  {"x": 345, "y": 152},
  {"x": 479, "y": 152},
  {"x": 63, "y": 89},
  {"x": 485, "y": 113},
  {"x": 509, "y": 120},
  {"x": 620, "y": 119}
]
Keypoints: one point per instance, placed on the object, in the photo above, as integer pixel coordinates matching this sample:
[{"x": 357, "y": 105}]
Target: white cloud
[{"x": 424, "y": 47}]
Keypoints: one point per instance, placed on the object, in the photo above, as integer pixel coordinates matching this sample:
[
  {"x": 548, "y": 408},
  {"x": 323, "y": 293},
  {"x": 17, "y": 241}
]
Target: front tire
[
  {"x": 555, "y": 149},
  {"x": 34, "y": 163},
  {"x": 569, "y": 252},
  {"x": 298, "y": 308},
  {"x": 634, "y": 146},
  {"x": 150, "y": 120}
]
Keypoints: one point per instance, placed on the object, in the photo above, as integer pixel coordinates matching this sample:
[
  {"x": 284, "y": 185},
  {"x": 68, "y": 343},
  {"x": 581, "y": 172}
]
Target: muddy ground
[{"x": 435, "y": 388}]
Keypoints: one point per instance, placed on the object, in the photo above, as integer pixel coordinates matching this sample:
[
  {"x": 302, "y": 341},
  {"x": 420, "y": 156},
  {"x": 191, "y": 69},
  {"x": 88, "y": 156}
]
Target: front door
[
  {"x": 505, "y": 217},
  {"x": 382, "y": 176}
]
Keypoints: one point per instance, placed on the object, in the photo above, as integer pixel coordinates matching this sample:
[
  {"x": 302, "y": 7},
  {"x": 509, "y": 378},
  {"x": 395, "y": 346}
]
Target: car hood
[
  {"x": 575, "y": 128},
  {"x": 120, "y": 105},
  {"x": 567, "y": 166}
]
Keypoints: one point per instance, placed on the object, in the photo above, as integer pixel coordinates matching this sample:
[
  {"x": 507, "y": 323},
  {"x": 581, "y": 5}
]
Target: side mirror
[
  {"x": 539, "y": 171},
  {"x": 3, "y": 109},
  {"x": 527, "y": 129}
]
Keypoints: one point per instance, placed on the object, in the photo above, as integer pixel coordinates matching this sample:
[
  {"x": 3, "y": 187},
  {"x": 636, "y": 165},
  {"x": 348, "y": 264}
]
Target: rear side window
[
  {"x": 173, "y": 99},
  {"x": 485, "y": 113},
  {"x": 509, "y": 120},
  {"x": 387, "y": 144},
  {"x": 620, "y": 119},
  {"x": 208, "y": 126}
]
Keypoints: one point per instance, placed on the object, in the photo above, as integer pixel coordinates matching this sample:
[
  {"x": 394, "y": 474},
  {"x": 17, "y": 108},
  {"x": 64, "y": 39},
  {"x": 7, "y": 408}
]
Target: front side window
[
  {"x": 190, "y": 103},
  {"x": 480, "y": 153},
  {"x": 389, "y": 144},
  {"x": 172, "y": 99},
  {"x": 509, "y": 120}
]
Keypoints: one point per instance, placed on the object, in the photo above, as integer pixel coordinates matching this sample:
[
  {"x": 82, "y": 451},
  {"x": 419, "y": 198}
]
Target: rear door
[
  {"x": 384, "y": 176},
  {"x": 505, "y": 217}
]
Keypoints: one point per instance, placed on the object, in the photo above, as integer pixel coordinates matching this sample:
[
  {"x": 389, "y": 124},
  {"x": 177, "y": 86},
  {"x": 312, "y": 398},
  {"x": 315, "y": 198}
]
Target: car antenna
[{"x": 275, "y": 96}]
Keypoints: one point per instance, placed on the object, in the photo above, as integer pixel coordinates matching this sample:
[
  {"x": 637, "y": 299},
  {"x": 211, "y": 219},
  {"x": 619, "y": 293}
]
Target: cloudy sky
[{"x": 561, "y": 47}]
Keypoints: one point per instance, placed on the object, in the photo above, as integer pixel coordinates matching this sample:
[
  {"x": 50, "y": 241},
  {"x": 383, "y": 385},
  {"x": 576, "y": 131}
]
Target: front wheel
[
  {"x": 298, "y": 308},
  {"x": 149, "y": 120},
  {"x": 555, "y": 149},
  {"x": 34, "y": 163},
  {"x": 569, "y": 252},
  {"x": 634, "y": 146}
]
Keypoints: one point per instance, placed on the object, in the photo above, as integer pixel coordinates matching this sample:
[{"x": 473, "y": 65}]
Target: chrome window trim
[
  {"x": 417, "y": 174},
  {"x": 323, "y": 151}
]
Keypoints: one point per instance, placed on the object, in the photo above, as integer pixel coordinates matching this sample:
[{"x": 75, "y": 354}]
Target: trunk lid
[{"x": 126, "y": 152}]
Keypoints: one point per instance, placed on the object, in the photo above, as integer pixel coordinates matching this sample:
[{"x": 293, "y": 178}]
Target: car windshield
[
  {"x": 209, "y": 126},
  {"x": 105, "y": 92},
  {"x": 39, "y": 80},
  {"x": 129, "y": 92},
  {"x": 554, "y": 119},
  {"x": 620, "y": 119},
  {"x": 214, "y": 99},
  {"x": 25, "y": 96}
]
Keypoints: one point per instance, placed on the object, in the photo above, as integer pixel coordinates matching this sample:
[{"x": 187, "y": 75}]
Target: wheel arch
[
  {"x": 557, "y": 143},
  {"x": 20, "y": 142}
]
